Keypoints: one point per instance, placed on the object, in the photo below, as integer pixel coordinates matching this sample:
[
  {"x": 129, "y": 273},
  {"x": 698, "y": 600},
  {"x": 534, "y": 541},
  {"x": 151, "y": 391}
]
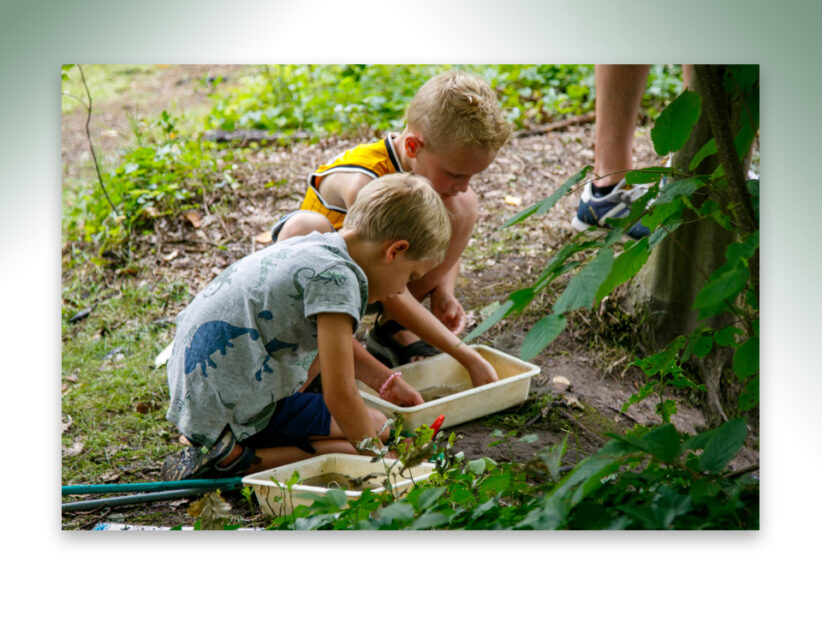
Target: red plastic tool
[{"x": 437, "y": 423}]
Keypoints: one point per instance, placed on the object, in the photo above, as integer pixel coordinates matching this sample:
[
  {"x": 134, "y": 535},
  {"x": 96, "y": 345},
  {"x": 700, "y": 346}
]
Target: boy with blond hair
[
  {"x": 249, "y": 342},
  {"x": 454, "y": 129}
]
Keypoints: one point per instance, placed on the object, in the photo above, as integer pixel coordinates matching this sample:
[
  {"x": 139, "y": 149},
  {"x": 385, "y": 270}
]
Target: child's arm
[
  {"x": 413, "y": 315},
  {"x": 341, "y": 188},
  {"x": 334, "y": 334},
  {"x": 374, "y": 374}
]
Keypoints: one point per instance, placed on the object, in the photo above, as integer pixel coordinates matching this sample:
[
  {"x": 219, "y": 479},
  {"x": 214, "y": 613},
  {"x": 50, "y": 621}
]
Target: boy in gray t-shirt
[{"x": 253, "y": 338}]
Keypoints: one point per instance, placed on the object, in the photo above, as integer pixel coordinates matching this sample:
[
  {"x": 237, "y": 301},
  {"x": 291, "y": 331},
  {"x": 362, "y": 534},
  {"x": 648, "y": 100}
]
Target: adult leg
[{"x": 619, "y": 90}]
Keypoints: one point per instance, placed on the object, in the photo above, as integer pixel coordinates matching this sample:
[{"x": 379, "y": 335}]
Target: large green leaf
[
  {"x": 746, "y": 358},
  {"x": 722, "y": 444},
  {"x": 625, "y": 266},
  {"x": 545, "y": 205},
  {"x": 662, "y": 442},
  {"x": 583, "y": 287},
  {"x": 723, "y": 287},
  {"x": 709, "y": 149},
  {"x": 749, "y": 397},
  {"x": 541, "y": 334},
  {"x": 678, "y": 188},
  {"x": 516, "y": 301},
  {"x": 673, "y": 126}
]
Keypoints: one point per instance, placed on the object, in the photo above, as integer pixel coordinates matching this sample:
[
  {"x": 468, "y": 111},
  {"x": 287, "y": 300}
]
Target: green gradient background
[{"x": 37, "y": 36}]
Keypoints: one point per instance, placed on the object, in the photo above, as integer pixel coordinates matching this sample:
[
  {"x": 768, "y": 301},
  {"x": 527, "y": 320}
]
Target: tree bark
[{"x": 663, "y": 293}]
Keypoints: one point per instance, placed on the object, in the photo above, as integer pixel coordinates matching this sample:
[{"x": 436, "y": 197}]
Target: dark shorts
[{"x": 296, "y": 419}]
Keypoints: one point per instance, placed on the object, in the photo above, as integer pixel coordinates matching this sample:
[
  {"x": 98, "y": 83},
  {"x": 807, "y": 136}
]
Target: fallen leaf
[
  {"x": 171, "y": 256},
  {"x": 75, "y": 450},
  {"x": 263, "y": 238},
  {"x": 561, "y": 384},
  {"x": 142, "y": 408},
  {"x": 110, "y": 476},
  {"x": 211, "y": 509},
  {"x": 514, "y": 201}
]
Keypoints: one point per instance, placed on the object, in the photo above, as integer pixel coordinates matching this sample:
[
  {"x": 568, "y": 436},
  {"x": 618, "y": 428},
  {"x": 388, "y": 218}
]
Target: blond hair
[
  {"x": 458, "y": 108},
  {"x": 402, "y": 207}
]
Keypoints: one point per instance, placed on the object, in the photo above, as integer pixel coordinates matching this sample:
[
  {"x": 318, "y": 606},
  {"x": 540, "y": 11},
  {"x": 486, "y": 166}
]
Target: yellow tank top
[{"x": 374, "y": 159}]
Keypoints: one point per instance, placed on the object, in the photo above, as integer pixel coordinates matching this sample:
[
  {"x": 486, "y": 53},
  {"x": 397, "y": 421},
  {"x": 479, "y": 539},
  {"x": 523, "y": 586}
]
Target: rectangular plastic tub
[
  {"x": 467, "y": 402},
  {"x": 274, "y": 499}
]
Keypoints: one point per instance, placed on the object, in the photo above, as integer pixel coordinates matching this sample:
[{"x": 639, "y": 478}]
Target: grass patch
[{"x": 114, "y": 400}]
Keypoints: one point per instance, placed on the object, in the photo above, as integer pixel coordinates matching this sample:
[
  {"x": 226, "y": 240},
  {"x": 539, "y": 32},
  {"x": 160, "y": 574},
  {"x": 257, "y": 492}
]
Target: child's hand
[
  {"x": 446, "y": 308},
  {"x": 481, "y": 371},
  {"x": 401, "y": 393}
]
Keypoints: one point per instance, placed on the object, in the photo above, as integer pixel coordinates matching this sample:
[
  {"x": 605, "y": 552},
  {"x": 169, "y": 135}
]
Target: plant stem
[{"x": 91, "y": 145}]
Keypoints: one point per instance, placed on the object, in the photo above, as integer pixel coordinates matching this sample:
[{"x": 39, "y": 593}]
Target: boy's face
[
  {"x": 450, "y": 170},
  {"x": 393, "y": 272}
]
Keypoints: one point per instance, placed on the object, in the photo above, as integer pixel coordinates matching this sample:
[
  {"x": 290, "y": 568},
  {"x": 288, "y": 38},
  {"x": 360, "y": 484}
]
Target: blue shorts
[{"x": 296, "y": 419}]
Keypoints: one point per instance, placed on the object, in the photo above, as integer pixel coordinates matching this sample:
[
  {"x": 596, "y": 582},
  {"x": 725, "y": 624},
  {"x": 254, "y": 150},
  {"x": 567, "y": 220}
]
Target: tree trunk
[{"x": 662, "y": 294}]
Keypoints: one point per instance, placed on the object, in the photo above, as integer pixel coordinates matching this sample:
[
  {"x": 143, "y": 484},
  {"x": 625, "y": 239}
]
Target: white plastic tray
[
  {"x": 274, "y": 499},
  {"x": 467, "y": 404}
]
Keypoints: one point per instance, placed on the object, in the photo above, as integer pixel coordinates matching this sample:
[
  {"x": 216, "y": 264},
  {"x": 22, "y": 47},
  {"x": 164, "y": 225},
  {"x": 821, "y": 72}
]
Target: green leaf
[
  {"x": 541, "y": 334},
  {"x": 677, "y": 189},
  {"x": 549, "y": 515},
  {"x": 477, "y": 467},
  {"x": 516, "y": 301},
  {"x": 647, "y": 175},
  {"x": 625, "y": 266},
  {"x": 490, "y": 321},
  {"x": 673, "y": 127},
  {"x": 552, "y": 456},
  {"x": 398, "y": 511},
  {"x": 545, "y": 205},
  {"x": 749, "y": 397},
  {"x": 427, "y": 497},
  {"x": 337, "y": 497},
  {"x": 724, "y": 287},
  {"x": 662, "y": 443},
  {"x": 727, "y": 336},
  {"x": 666, "y": 409},
  {"x": 429, "y": 520},
  {"x": 746, "y": 358},
  {"x": 722, "y": 444},
  {"x": 583, "y": 287},
  {"x": 709, "y": 149}
]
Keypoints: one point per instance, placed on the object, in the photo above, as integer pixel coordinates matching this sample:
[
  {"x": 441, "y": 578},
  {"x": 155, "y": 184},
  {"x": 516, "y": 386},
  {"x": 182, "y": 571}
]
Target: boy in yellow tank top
[{"x": 454, "y": 129}]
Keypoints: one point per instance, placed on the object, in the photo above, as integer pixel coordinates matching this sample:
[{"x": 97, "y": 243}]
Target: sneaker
[
  {"x": 594, "y": 211},
  {"x": 198, "y": 462}
]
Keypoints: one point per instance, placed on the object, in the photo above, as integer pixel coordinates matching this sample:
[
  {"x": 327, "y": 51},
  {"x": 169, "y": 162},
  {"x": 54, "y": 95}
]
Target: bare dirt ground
[{"x": 527, "y": 170}]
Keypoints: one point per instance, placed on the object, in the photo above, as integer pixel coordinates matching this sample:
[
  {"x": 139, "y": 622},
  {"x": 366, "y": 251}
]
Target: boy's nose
[{"x": 461, "y": 185}]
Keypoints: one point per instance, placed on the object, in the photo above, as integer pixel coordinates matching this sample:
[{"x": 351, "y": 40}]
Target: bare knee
[{"x": 303, "y": 223}]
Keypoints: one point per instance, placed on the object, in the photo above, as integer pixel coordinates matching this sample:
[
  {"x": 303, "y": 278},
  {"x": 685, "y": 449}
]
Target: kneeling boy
[{"x": 245, "y": 347}]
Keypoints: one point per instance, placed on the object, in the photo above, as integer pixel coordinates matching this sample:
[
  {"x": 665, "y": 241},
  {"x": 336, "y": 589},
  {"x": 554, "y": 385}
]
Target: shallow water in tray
[
  {"x": 332, "y": 480},
  {"x": 439, "y": 391}
]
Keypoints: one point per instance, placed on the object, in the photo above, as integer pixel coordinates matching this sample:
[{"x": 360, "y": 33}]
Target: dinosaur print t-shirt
[{"x": 248, "y": 338}]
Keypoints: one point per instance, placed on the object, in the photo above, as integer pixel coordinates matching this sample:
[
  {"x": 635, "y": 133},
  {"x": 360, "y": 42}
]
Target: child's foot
[
  {"x": 595, "y": 208},
  {"x": 225, "y": 459},
  {"x": 382, "y": 344}
]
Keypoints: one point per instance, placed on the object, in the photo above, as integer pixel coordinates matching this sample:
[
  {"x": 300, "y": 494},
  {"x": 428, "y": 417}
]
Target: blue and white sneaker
[{"x": 594, "y": 211}]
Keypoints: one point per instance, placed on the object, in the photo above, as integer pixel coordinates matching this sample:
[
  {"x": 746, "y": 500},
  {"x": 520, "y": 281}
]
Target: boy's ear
[
  {"x": 413, "y": 144},
  {"x": 394, "y": 248}
]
